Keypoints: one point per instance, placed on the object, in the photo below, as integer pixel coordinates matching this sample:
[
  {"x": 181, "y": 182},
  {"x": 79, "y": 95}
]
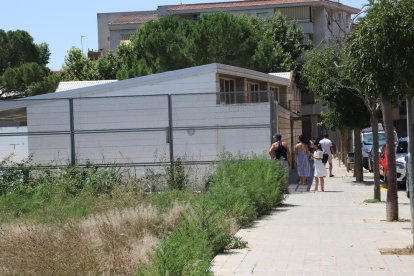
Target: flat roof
[{"x": 255, "y": 3}]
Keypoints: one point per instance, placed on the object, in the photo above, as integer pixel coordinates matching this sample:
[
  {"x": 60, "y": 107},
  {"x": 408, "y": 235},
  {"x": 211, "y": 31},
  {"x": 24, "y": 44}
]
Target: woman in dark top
[{"x": 279, "y": 150}]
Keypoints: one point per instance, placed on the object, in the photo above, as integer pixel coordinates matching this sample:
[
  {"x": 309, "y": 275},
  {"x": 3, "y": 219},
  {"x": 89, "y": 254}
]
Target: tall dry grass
[{"x": 111, "y": 243}]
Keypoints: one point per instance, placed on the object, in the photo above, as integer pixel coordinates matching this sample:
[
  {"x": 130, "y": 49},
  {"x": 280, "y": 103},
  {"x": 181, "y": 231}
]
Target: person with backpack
[{"x": 320, "y": 170}]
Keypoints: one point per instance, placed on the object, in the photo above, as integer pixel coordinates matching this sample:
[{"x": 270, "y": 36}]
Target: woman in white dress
[{"x": 320, "y": 170}]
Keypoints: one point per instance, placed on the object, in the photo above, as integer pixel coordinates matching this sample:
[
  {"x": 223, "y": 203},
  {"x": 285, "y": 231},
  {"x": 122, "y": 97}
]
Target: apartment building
[{"x": 321, "y": 20}]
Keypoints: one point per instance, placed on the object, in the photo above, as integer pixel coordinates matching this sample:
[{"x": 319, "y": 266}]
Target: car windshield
[
  {"x": 368, "y": 138},
  {"x": 402, "y": 147},
  {"x": 382, "y": 139}
]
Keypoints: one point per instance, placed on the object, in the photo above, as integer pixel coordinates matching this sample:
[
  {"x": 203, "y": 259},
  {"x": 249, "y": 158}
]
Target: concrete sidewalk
[{"x": 330, "y": 233}]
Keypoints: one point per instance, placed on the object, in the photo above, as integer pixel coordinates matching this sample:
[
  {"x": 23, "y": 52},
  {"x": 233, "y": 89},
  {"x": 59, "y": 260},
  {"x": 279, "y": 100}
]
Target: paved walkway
[{"x": 330, "y": 233}]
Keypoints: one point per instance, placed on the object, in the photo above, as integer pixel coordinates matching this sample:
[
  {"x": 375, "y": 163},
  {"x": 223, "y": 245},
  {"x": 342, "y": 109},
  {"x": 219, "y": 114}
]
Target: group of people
[{"x": 306, "y": 157}]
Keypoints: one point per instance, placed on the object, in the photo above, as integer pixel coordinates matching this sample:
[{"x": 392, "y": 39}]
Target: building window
[{"x": 227, "y": 91}]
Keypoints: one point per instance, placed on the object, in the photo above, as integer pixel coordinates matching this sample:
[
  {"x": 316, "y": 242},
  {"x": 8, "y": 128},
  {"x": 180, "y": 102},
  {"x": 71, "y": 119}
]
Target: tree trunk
[
  {"x": 343, "y": 147},
  {"x": 347, "y": 144},
  {"x": 410, "y": 164},
  {"x": 392, "y": 198},
  {"x": 374, "y": 151},
  {"x": 359, "y": 174}
]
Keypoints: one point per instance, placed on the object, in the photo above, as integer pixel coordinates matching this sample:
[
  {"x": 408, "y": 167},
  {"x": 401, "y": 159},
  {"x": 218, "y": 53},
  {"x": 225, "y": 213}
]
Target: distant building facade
[{"x": 321, "y": 20}]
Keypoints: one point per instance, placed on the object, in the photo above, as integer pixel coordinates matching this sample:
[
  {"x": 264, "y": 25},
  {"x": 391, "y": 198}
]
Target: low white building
[{"x": 195, "y": 113}]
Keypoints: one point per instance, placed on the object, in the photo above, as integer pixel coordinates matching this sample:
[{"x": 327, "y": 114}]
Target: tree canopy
[
  {"x": 170, "y": 43},
  {"x": 23, "y": 63},
  {"x": 328, "y": 79}
]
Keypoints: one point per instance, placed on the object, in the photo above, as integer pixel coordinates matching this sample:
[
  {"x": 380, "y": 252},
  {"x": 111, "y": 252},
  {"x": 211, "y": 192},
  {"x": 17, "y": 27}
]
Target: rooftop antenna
[{"x": 82, "y": 36}]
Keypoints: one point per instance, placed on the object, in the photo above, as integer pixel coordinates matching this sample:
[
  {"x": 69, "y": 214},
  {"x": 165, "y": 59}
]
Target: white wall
[
  {"x": 195, "y": 116},
  {"x": 45, "y": 118},
  {"x": 319, "y": 17},
  {"x": 14, "y": 146}
]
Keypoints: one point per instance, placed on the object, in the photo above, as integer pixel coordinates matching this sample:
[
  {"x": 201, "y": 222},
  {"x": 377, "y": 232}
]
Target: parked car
[
  {"x": 367, "y": 141},
  {"x": 401, "y": 151}
]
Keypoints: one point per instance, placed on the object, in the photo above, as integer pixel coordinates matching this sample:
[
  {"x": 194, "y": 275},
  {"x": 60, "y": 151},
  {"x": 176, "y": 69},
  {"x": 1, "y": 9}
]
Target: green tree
[
  {"x": 161, "y": 45},
  {"x": 382, "y": 48},
  {"x": 280, "y": 44},
  {"x": 222, "y": 38},
  {"x": 168, "y": 44},
  {"x": 331, "y": 84},
  {"x": 130, "y": 64},
  {"x": 23, "y": 70},
  {"x": 78, "y": 66},
  {"x": 107, "y": 66}
]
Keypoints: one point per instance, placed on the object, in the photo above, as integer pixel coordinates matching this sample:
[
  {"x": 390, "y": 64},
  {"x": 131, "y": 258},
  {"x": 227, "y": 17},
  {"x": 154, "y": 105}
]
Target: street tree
[
  {"x": 359, "y": 80},
  {"x": 328, "y": 80},
  {"x": 380, "y": 48}
]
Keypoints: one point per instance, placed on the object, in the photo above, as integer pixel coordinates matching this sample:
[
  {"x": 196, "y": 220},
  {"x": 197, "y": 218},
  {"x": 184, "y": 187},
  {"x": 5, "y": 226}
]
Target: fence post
[
  {"x": 72, "y": 134},
  {"x": 272, "y": 115},
  {"x": 170, "y": 131}
]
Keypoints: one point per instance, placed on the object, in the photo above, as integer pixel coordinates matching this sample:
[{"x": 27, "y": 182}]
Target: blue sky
[{"x": 61, "y": 24}]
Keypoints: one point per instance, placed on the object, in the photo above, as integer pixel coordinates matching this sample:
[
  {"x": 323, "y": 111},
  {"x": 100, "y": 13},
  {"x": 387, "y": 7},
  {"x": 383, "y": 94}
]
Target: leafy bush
[
  {"x": 177, "y": 178},
  {"x": 247, "y": 186},
  {"x": 185, "y": 252},
  {"x": 233, "y": 200},
  {"x": 13, "y": 176}
]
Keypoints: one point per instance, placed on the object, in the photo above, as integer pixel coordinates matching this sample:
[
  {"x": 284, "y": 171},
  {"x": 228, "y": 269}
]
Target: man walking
[{"x": 327, "y": 147}]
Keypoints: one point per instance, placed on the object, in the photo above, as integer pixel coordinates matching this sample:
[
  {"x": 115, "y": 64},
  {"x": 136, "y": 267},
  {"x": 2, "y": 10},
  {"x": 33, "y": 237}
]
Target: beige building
[{"x": 321, "y": 20}]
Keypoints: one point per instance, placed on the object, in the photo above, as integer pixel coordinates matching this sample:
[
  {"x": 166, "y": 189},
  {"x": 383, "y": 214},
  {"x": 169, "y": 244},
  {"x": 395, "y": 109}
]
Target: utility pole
[{"x": 82, "y": 36}]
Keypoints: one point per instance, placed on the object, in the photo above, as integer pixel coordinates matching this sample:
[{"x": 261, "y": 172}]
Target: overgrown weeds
[
  {"x": 243, "y": 188},
  {"x": 108, "y": 244},
  {"x": 89, "y": 220}
]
